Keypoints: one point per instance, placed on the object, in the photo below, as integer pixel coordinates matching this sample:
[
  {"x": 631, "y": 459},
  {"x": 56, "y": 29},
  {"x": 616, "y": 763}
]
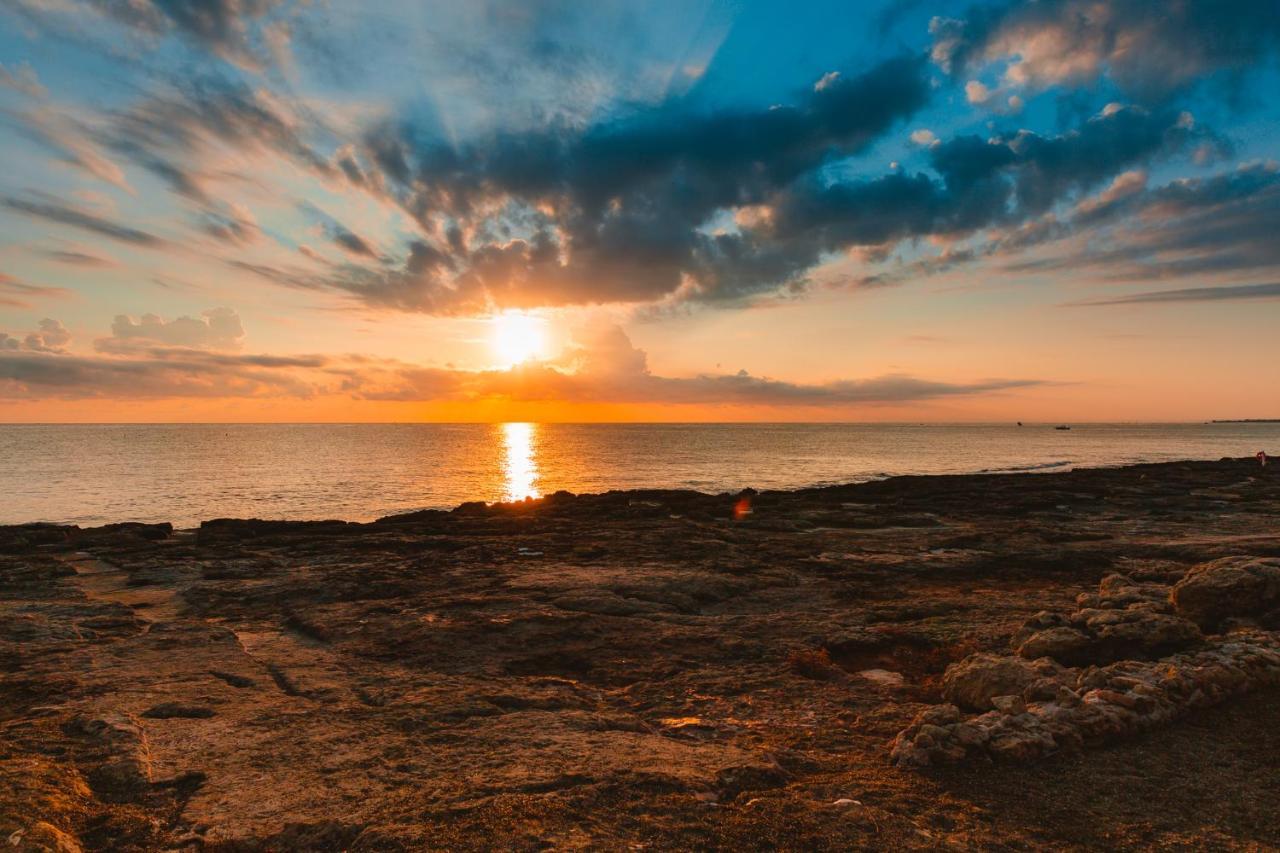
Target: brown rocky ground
[{"x": 631, "y": 670}]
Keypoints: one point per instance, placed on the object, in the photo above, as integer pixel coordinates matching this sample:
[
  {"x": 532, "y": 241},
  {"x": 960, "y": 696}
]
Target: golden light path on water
[{"x": 520, "y": 466}]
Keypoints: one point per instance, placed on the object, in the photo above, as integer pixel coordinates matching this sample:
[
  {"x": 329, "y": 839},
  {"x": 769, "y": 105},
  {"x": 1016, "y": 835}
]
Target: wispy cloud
[
  {"x": 1225, "y": 292},
  {"x": 46, "y": 207}
]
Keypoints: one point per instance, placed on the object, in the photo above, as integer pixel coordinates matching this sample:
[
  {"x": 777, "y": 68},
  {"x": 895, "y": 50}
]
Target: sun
[{"x": 518, "y": 337}]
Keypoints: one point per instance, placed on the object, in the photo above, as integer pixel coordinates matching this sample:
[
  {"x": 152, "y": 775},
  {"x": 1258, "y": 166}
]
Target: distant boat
[{"x": 1064, "y": 426}]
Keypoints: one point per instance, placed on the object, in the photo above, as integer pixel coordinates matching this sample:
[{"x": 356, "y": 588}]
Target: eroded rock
[
  {"x": 975, "y": 681},
  {"x": 1230, "y": 587},
  {"x": 1097, "y": 704}
]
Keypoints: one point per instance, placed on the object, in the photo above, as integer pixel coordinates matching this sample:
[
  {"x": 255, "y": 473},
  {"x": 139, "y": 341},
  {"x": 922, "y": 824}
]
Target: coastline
[{"x": 656, "y": 667}]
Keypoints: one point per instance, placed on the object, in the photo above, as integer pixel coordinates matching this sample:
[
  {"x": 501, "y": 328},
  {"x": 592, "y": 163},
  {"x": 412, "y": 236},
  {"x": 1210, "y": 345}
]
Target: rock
[
  {"x": 1233, "y": 586},
  {"x": 1124, "y": 620},
  {"x": 178, "y": 710},
  {"x": 1064, "y": 644},
  {"x": 1118, "y": 700},
  {"x": 883, "y": 677},
  {"x": 975, "y": 681},
  {"x": 1009, "y": 705},
  {"x": 44, "y": 837},
  {"x": 1121, "y": 634}
]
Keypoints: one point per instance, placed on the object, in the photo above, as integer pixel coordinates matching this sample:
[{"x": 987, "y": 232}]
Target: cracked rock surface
[{"x": 1055, "y": 661}]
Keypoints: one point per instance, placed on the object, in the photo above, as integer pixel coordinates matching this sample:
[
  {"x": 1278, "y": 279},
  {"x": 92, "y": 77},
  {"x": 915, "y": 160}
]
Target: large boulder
[
  {"x": 973, "y": 682},
  {"x": 1231, "y": 587}
]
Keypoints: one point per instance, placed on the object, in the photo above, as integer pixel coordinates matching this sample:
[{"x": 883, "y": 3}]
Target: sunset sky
[{"x": 258, "y": 210}]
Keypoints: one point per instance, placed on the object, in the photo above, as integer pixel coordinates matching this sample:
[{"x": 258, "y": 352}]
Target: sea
[{"x": 187, "y": 473}]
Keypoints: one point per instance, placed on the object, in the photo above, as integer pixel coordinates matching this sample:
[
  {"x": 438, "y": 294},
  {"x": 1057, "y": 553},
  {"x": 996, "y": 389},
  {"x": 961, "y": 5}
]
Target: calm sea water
[{"x": 94, "y": 474}]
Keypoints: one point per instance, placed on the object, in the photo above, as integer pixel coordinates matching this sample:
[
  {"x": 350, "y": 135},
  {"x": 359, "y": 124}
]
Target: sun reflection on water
[{"x": 520, "y": 467}]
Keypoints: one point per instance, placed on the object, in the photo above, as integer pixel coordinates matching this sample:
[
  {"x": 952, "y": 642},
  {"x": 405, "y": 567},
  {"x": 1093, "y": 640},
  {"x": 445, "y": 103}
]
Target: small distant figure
[
  {"x": 1262, "y": 458},
  {"x": 742, "y": 508},
  {"x": 1019, "y": 423}
]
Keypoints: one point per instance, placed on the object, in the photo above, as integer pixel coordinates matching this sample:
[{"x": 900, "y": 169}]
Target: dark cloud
[
  {"x": 173, "y": 373},
  {"x": 1226, "y": 292},
  {"x": 1220, "y": 224},
  {"x": 231, "y": 224},
  {"x": 352, "y": 242},
  {"x": 614, "y": 211},
  {"x": 1000, "y": 181},
  {"x": 51, "y": 209},
  {"x": 1150, "y": 49},
  {"x": 78, "y": 259},
  {"x": 720, "y": 208},
  {"x": 1223, "y": 224}
]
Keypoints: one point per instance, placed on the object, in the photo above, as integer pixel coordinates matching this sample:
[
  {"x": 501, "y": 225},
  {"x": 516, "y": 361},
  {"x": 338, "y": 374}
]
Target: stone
[
  {"x": 975, "y": 681},
  {"x": 1233, "y": 586},
  {"x": 1063, "y": 644},
  {"x": 1009, "y": 704}
]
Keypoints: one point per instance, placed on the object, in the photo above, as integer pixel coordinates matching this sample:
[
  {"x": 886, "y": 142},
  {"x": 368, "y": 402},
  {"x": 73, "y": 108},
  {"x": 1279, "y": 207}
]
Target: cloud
[
  {"x": 46, "y": 207},
  {"x": 77, "y": 258},
  {"x": 1224, "y": 224},
  {"x": 51, "y": 337},
  {"x": 22, "y": 78},
  {"x": 352, "y": 242},
  {"x": 239, "y": 31},
  {"x": 158, "y": 374},
  {"x": 1001, "y": 181},
  {"x": 14, "y": 293},
  {"x": 73, "y": 138},
  {"x": 1149, "y": 49},
  {"x": 201, "y": 114},
  {"x": 217, "y": 328},
  {"x": 233, "y": 224},
  {"x": 610, "y": 369},
  {"x": 605, "y": 368},
  {"x": 1226, "y": 292},
  {"x": 923, "y": 137},
  {"x": 610, "y": 212},
  {"x": 1219, "y": 224},
  {"x": 628, "y": 211}
]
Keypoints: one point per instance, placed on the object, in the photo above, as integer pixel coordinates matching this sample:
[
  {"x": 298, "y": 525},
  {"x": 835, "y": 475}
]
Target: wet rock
[{"x": 1230, "y": 587}]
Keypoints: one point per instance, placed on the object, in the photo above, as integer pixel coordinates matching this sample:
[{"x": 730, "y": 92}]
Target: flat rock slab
[{"x": 619, "y": 671}]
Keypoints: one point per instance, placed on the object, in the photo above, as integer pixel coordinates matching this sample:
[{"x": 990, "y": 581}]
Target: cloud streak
[
  {"x": 160, "y": 363},
  {"x": 50, "y": 209},
  {"x": 1221, "y": 293}
]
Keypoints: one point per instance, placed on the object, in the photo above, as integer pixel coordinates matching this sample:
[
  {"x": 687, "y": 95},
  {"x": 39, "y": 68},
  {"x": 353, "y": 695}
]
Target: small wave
[{"x": 1015, "y": 469}]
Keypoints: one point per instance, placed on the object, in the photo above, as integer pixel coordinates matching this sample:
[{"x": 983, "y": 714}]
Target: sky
[{"x": 264, "y": 210}]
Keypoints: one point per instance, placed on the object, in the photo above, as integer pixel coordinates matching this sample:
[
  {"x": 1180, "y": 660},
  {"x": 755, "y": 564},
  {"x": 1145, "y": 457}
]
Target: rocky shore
[{"x": 1043, "y": 661}]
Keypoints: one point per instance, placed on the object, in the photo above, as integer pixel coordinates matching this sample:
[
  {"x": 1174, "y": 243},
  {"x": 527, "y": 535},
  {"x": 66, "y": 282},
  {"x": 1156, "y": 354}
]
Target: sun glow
[
  {"x": 518, "y": 337},
  {"x": 520, "y": 465}
]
